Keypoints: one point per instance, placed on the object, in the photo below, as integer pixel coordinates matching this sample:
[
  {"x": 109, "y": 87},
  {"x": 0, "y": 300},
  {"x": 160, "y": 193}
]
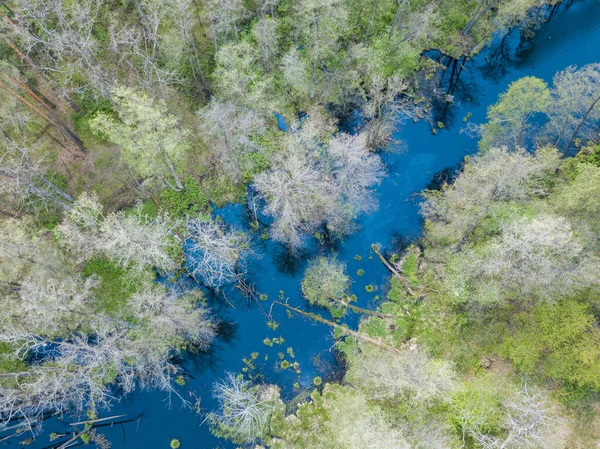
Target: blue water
[
  {"x": 281, "y": 124},
  {"x": 571, "y": 37}
]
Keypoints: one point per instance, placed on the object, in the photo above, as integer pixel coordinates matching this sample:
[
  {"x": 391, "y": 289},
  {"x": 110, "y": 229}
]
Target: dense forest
[{"x": 126, "y": 123}]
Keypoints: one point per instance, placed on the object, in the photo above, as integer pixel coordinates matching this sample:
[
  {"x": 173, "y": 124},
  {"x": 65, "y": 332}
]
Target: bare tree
[
  {"x": 244, "y": 409},
  {"x": 163, "y": 44},
  {"x": 574, "y": 110},
  {"x": 184, "y": 14},
  {"x": 528, "y": 421},
  {"x": 63, "y": 40},
  {"x": 487, "y": 180},
  {"x": 20, "y": 91},
  {"x": 60, "y": 41},
  {"x": 296, "y": 71},
  {"x": 413, "y": 375},
  {"x": 356, "y": 171},
  {"x": 267, "y": 7},
  {"x": 385, "y": 108},
  {"x": 73, "y": 370},
  {"x": 47, "y": 305},
  {"x": 171, "y": 317},
  {"x": 232, "y": 132},
  {"x": 131, "y": 241},
  {"x": 322, "y": 23},
  {"x": 295, "y": 192},
  {"x": 24, "y": 177},
  {"x": 265, "y": 34},
  {"x": 224, "y": 19},
  {"x": 403, "y": 8},
  {"x": 26, "y": 250},
  {"x": 531, "y": 260},
  {"x": 316, "y": 182},
  {"x": 216, "y": 255}
]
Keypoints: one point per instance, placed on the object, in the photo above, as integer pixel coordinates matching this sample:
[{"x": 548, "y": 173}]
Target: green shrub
[
  {"x": 114, "y": 288},
  {"x": 560, "y": 342},
  {"x": 189, "y": 201},
  {"x": 409, "y": 267},
  {"x": 90, "y": 105},
  {"x": 9, "y": 365},
  {"x": 325, "y": 282}
]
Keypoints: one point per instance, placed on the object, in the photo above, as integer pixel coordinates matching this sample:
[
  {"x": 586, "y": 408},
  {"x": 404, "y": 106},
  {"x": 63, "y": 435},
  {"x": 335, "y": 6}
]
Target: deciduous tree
[
  {"x": 531, "y": 260},
  {"x": 486, "y": 182},
  {"x": 24, "y": 178},
  {"x": 574, "y": 111},
  {"x": 216, "y": 255},
  {"x": 131, "y": 241},
  {"x": 244, "y": 410},
  {"x": 325, "y": 282},
  {"x": 509, "y": 120},
  {"x": 149, "y": 136},
  {"x": 315, "y": 182},
  {"x": 232, "y": 132},
  {"x": 225, "y": 19},
  {"x": 267, "y": 38},
  {"x": 413, "y": 375}
]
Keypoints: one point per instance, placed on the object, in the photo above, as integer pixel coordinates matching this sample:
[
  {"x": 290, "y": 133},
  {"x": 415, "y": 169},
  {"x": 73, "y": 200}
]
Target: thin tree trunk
[
  {"x": 96, "y": 420},
  {"x": 396, "y": 19},
  {"x": 64, "y": 129},
  {"x": 553, "y": 10},
  {"x": 475, "y": 222},
  {"x": 58, "y": 191},
  {"x": 22, "y": 56},
  {"x": 375, "y": 5},
  {"x": 521, "y": 136},
  {"x": 314, "y": 75},
  {"x": 359, "y": 15},
  {"x": 480, "y": 12},
  {"x": 42, "y": 194},
  {"x": 454, "y": 82},
  {"x": 41, "y": 98},
  {"x": 466, "y": 236},
  {"x": 170, "y": 165},
  {"x": 581, "y": 122}
]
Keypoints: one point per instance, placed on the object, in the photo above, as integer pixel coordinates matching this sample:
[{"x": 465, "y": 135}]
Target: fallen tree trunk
[
  {"x": 345, "y": 330},
  {"x": 395, "y": 272}
]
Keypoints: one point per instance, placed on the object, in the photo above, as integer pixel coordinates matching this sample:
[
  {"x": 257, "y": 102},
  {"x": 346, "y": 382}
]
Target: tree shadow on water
[
  {"x": 445, "y": 176},
  {"x": 289, "y": 262},
  {"x": 195, "y": 363}
]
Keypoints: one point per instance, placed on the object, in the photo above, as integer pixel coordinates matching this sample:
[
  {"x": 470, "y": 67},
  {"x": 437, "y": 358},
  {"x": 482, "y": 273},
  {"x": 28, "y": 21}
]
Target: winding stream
[{"x": 570, "y": 37}]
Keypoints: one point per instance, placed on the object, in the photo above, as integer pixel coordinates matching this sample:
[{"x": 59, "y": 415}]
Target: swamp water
[{"x": 572, "y": 36}]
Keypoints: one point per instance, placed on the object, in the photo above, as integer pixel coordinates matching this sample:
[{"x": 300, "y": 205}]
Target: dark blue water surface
[{"x": 571, "y": 37}]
